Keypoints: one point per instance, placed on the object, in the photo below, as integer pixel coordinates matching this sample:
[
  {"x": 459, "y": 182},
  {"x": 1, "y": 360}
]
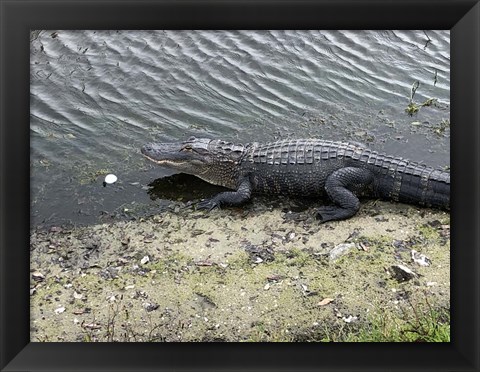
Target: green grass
[{"x": 424, "y": 325}]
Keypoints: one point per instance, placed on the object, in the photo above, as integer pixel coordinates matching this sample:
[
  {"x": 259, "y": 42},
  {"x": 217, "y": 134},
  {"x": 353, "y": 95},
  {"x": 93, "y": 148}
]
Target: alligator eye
[
  {"x": 192, "y": 138},
  {"x": 187, "y": 148}
]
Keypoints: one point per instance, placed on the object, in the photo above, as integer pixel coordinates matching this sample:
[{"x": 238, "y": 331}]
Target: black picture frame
[{"x": 18, "y": 17}]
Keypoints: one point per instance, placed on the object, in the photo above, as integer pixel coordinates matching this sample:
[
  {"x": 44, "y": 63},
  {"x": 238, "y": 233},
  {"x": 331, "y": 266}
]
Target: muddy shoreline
[{"x": 259, "y": 273}]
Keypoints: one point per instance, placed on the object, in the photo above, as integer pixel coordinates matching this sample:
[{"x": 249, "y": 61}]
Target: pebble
[
  {"x": 340, "y": 250},
  {"x": 150, "y": 306},
  {"x": 349, "y": 319},
  {"x": 38, "y": 276},
  {"x": 403, "y": 273}
]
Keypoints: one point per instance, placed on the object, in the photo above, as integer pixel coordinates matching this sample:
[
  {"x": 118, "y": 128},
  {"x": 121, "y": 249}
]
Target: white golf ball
[{"x": 110, "y": 178}]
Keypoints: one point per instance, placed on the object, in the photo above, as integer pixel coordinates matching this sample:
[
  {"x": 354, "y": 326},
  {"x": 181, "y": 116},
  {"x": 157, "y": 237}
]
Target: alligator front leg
[
  {"x": 339, "y": 186},
  {"x": 238, "y": 197}
]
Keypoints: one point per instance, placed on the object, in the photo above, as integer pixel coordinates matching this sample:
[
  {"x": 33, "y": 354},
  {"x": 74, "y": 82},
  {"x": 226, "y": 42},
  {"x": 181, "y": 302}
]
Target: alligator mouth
[
  {"x": 176, "y": 164},
  {"x": 165, "y": 161}
]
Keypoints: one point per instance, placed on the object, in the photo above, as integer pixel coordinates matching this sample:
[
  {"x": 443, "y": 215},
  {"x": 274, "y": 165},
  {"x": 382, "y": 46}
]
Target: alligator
[{"x": 341, "y": 171}]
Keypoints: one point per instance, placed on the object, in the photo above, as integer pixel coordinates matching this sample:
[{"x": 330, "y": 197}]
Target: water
[{"x": 98, "y": 96}]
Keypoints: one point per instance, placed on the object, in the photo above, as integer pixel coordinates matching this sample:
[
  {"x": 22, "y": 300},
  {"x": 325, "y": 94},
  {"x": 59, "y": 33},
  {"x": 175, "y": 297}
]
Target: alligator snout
[
  {"x": 150, "y": 149},
  {"x": 146, "y": 148}
]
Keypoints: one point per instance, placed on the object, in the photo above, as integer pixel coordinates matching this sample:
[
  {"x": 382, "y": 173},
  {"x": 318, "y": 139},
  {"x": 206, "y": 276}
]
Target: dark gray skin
[{"x": 341, "y": 171}]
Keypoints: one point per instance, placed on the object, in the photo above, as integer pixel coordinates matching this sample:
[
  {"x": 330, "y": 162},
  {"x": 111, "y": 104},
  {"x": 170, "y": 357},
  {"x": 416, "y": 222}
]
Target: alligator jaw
[
  {"x": 181, "y": 156},
  {"x": 166, "y": 154},
  {"x": 166, "y": 162},
  {"x": 197, "y": 156}
]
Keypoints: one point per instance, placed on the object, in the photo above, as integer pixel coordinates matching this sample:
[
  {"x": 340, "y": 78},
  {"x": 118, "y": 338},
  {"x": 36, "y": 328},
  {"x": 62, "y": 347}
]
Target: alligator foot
[
  {"x": 332, "y": 213},
  {"x": 232, "y": 198},
  {"x": 208, "y": 204}
]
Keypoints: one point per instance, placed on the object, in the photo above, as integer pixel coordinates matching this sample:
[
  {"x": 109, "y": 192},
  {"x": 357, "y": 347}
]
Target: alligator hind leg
[
  {"x": 340, "y": 187},
  {"x": 238, "y": 197}
]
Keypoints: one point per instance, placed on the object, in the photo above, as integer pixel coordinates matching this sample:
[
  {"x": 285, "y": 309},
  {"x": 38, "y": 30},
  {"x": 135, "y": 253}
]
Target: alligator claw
[
  {"x": 327, "y": 213},
  {"x": 208, "y": 204}
]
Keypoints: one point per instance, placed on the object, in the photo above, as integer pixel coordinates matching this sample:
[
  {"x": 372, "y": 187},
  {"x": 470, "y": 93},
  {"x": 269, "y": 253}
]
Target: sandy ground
[{"x": 259, "y": 273}]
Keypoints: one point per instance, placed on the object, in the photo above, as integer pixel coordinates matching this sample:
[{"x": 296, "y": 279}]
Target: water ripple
[{"x": 96, "y": 96}]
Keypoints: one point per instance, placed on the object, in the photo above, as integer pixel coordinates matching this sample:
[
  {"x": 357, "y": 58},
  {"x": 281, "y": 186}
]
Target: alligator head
[{"x": 214, "y": 161}]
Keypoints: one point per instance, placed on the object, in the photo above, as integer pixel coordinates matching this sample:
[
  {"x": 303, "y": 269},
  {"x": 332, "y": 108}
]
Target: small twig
[
  {"x": 415, "y": 86},
  {"x": 428, "y": 40}
]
